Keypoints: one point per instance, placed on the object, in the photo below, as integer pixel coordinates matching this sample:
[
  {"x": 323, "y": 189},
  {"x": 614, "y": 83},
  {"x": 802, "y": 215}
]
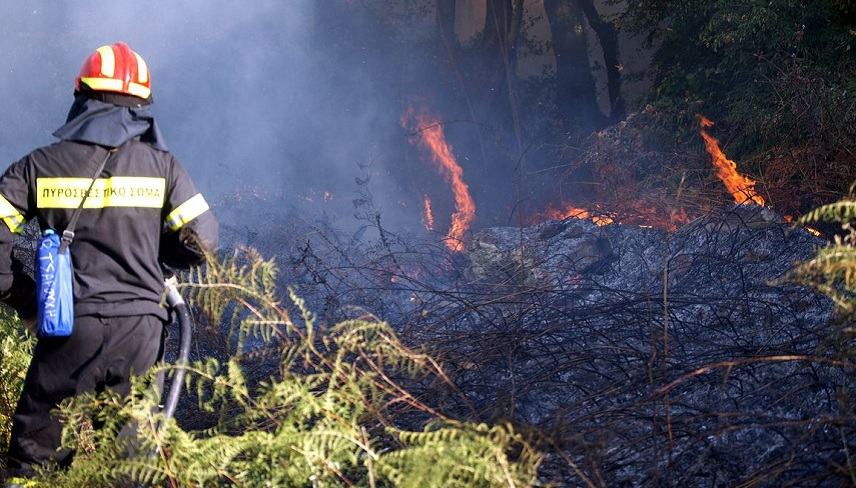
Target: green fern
[
  {"x": 330, "y": 417},
  {"x": 843, "y": 211},
  {"x": 16, "y": 347},
  {"x": 832, "y": 270}
]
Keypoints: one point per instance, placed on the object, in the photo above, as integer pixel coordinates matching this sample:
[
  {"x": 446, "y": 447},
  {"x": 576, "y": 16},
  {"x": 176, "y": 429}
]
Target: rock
[
  {"x": 747, "y": 215},
  {"x": 497, "y": 255}
]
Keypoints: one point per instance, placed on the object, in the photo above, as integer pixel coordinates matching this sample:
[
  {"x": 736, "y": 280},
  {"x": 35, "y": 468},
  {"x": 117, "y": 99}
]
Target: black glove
[
  {"x": 181, "y": 249},
  {"x": 22, "y": 296}
]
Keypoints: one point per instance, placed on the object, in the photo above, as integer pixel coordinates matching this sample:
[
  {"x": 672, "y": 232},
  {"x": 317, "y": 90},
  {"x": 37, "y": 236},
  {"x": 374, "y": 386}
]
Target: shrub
[
  {"x": 16, "y": 346},
  {"x": 778, "y": 78},
  {"x": 336, "y": 411}
]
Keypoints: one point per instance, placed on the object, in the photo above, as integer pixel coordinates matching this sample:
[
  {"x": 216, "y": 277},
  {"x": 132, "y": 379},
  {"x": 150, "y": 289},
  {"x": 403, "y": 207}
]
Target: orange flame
[
  {"x": 427, "y": 213},
  {"x": 789, "y": 219},
  {"x": 639, "y": 213},
  {"x": 742, "y": 188},
  {"x": 430, "y": 135},
  {"x": 570, "y": 212},
  {"x": 813, "y": 231}
]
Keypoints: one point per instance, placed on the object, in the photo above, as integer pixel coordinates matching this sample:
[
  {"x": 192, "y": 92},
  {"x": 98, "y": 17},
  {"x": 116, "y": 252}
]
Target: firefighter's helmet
[{"x": 117, "y": 69}]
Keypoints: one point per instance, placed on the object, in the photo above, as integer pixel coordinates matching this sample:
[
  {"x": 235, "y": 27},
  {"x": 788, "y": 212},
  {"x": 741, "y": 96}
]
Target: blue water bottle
[{"x": 54, "y": 286}]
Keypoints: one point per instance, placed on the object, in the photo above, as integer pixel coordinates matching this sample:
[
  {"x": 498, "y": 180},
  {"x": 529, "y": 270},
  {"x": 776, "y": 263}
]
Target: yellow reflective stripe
[
  {"x": 11, "y": 216},
  {"x": 108, "y": 84},
  {"x": 139, "y": 90},
  {"x": 142, "y": 69},
  {"x": 187, "y": 211},
  {"x": 118, "y": 191},
  {"x": 108, "y": 61}
]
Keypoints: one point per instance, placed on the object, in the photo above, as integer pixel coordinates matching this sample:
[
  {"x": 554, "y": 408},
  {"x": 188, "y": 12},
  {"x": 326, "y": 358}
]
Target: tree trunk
[
  {"x": 608, "y": 37},
  {"x": 516, "y": 24},
  {"x": 576, "y": 93},
  {"x": 446, "y": 29},
  {"x": 497, "y": 22},
  {"x": 503, "y": 24}
]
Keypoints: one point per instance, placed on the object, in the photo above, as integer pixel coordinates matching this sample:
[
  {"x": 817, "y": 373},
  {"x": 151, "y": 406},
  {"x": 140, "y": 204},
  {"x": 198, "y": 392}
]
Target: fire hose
[
  {"x": 182, "y": 312},
  {"x": 176, "y": 303}
]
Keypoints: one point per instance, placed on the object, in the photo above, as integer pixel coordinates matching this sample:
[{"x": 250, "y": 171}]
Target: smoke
[
  {"x": 281, "y": 102},
  {"x": 254, "y": 97}
]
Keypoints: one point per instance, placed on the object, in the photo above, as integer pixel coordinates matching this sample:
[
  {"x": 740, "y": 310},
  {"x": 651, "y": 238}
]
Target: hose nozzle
[{"x": 173, "y": 297}]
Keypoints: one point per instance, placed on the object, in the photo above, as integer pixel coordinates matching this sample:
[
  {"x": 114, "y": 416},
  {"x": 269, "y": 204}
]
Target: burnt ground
[{"x": 645, "y": 357}]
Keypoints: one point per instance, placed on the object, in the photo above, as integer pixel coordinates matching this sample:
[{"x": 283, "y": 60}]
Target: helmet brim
[{"x": 115, "y": 98}]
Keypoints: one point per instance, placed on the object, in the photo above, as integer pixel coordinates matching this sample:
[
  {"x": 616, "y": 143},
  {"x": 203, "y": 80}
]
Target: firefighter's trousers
[{"x": 101, "y": 354}]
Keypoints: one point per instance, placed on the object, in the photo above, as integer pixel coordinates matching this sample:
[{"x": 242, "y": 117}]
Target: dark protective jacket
[{"x": 142, "y": 210}]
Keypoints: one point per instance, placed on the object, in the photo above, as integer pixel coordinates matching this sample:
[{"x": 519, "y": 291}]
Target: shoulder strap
[{"x": 68, "y": 233}]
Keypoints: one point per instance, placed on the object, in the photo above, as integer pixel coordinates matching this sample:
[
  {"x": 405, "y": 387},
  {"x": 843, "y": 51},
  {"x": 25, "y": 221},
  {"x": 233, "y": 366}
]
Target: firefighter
[{"x": 142, "y": 210}]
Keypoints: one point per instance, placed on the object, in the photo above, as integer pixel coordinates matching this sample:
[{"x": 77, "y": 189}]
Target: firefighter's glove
[
  {"x": 22, "y": 296},
  {"x": 181, "y": 249}
]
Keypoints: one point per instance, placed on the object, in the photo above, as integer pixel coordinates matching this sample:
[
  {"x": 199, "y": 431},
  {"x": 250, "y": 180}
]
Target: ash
[{"x": 597, "y": 336}]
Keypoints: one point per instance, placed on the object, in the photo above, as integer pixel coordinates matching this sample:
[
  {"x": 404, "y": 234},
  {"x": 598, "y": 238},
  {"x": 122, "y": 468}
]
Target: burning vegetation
[
  {"x": 428, "y": 133},
  {"x": 568, "y": 211},
  {"x": 565, "y": 325},
  {"x": 427, "y": 213},
  {"x": 631, "y": 328},
  {"x": 597, "y": 295},
  {"x": 741, "y": 188}
]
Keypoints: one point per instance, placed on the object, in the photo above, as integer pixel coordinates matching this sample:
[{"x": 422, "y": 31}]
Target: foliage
[
  {"x": 16, "y": 346},
  {"x": 777, "y": 76},
  {"x": 833, "y": 269},
  {"x": 335, "y": 413},
  {"x": 726, "y": 52}
]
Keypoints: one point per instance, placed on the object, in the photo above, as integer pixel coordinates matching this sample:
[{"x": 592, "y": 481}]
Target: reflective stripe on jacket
[{"x": 142, "y": 210}]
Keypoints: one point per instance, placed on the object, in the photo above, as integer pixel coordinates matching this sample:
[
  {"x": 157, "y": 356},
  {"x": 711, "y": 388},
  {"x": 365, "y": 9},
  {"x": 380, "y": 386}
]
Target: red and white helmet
[{"x": 116, "y": 68}]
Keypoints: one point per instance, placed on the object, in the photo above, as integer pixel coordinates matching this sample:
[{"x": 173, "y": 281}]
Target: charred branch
[{"x": 561, "y": 326}]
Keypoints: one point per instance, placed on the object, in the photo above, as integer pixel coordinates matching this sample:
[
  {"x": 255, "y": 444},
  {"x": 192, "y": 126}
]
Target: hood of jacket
[{"x": 109, "y": 125}]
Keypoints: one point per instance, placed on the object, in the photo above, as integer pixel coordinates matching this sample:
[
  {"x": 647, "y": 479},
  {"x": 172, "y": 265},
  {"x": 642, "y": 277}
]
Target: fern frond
[
  {"x": 842, "y": 211},
  {"x": 321, "y": 421}
]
